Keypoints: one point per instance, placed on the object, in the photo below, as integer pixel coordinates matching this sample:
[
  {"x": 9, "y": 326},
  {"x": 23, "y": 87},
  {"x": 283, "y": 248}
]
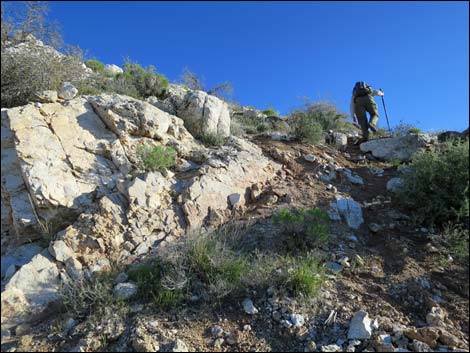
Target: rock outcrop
[
  {"x": 74, "y": 165},
  {"x": 399, "y": 148},
  {"x": 202, "y": 113}
]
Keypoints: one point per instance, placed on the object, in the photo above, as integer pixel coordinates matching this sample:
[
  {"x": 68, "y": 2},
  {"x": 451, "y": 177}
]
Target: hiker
[{"x": 362, "y": 102}]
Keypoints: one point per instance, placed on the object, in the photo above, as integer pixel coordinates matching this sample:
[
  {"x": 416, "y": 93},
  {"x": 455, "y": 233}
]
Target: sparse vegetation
[
  {"x": 213, "y": 139},
  {"x": 90, "y": 297},
  {"x": 402, "y": 129},
  {"x": 456, "y": 239},
  {"x": 195, "y": 82},
  {"x": 303, "y": 228},
  {"x": 201, "y": 265},
  {"x": 208, "y": 266},
  {"x": 156, "y": 158},
  {"x": 436, "y": 185},
  {"x": 270, "y": 111}
]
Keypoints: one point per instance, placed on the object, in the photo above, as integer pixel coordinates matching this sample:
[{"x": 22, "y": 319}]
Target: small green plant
[
  {"x": 303, "y": 228},
  {"x": 436, "y": 185},
  {"x": 306, "y": 277},
  {"x": 299, "y": 275},
  {"x": 414, "y": 130},
  {"x": 270, "y": 111},
  {"x": 95, "y": 65},
  {"x": 156, "y": 158},
  {"x": 213, "y": 139}
]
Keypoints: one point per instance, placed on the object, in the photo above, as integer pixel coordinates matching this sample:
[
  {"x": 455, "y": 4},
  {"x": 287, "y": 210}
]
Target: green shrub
[
  {"x": 306, "y": 128},
  {"x": 436, "y": 185},
  {"x": 213, "y": 139},
  {"x": 303, "y": 228},
  {"x": 270, "y": 111},
  {"x": 146, "y": 81},
  {"x": 156, "y": 158},
  {"x": 414, "y": 130},
  {"x": 310, "y": 122},
  {"x": 95, "y": 65}
]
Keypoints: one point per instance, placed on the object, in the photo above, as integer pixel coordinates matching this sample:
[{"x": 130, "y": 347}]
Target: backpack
[{"x": 361, "y": 89}]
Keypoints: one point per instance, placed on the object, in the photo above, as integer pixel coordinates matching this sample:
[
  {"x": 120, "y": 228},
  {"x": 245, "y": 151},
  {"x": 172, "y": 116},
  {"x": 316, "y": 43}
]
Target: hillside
[{"x": 76, "y": 160}]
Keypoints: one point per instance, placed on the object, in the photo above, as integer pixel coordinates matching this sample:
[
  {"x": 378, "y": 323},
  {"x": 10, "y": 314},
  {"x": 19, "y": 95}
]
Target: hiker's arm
[{"x": 377, "y": 92}]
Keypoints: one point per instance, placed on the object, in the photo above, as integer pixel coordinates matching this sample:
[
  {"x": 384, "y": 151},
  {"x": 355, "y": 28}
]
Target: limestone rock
[
  {"x": 46, "y": 96},
  {"x": 67, "y": 91},
  {"x": 394, "y": 184},
  {"x": 203, "y": 114},
  {"x": 398, "y": 148},
  {"x": 125, "y": 290},
  {"x": 245, "y": 165},
  {"x": 349, "y": 209},
  {"x": 249, "y": 307},
  {"x": 60, "y": 251},
  {"x": 360, "y": 326},
  {"x": 31, "y": 289},
  {"x": 112, "y": 69},
  {"x": 19, "y": 256}
]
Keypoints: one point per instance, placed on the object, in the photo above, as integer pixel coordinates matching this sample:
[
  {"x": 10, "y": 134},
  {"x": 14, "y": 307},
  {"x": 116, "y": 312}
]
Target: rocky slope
[{"x": 75, "y": 201}]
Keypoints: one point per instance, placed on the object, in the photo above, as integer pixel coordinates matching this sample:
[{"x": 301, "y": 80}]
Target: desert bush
[
  {"x": 436, "y": 184},
  {"x": 196, "y": 82},
  {"x": 27, "y": 66},
  {"x": 90, "y": 297},
  {"x": 146, "y": 81},
  {"x": 303, "y": 228},
  {"x": 26, "y": 72},
  {"x": 156, "y": 158},
  {"x": 306, "y": 128},
  {"x": 310, "y": 122},
  {"x": 95, "y": 65},
  {"x": 212, "y": 139}
]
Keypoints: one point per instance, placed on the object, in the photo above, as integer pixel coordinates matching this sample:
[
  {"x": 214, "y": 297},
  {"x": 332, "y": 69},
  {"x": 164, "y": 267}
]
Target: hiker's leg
[
  {"x": 372, "y": 109},
  {"x": 361, "y": 115}
]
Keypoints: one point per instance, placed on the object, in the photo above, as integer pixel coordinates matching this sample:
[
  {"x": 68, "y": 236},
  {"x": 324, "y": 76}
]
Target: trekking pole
[{"x": 385, "y": 110}]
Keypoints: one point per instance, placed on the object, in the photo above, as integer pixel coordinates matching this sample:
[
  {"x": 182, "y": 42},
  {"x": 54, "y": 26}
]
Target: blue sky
[{"x": 275, "y": 53}]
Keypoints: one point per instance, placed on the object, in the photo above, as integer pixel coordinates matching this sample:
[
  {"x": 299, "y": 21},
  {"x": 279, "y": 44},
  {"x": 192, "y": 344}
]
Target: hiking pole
[{"x": 385, "y": 110}]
